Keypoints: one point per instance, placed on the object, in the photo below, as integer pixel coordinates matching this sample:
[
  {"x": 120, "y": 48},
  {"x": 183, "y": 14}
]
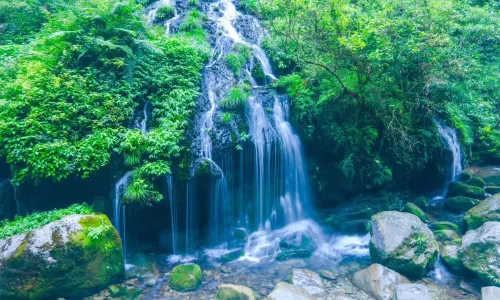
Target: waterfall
[
  {"x": 119, "y": 209},
  {"x": 173, "y": 213},
  {"x": 144, "y": 122},
  {"x": 452, "y": 143},
  {"x": 154, "y": 7}
]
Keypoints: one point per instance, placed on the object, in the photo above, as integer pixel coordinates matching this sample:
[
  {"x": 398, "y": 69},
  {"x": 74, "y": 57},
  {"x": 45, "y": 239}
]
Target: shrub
[
  {"x": 237, "y": 97},
  {"x": 165, "y": 13}
]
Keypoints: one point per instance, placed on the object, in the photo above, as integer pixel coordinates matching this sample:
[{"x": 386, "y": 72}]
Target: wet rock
[
  {"x": 476, "y": 181},
  {"x": 446, "y": 235},
  {"x": 487, "y": 210},
  {"x": 467, "y": 287},
  {"x": 327, "y": 275},
  {"x": 297, "y": 246},
  {"x": 60, "y": 259},
  {"x": 233, "y": 255},
  {"x": 235, "y": 292},
  {"x": 186, "y": 277},
  {"x": 309, "y": 281},
  {"x": 461, "y": 189},
  {"x": 415, "y": 210},
  {"x": 411, "y": 292},
  {"x": 490, "y": 293},
  {"x": 206, "y": 167},
  {"x": 480, "y": 252},
  {"x": 449, "y": 254},
  {"x": 422, "y": 202},
  {"x": 491, "y": 189},
  {"x": 460, "y": 204},
  {"x": 403, "y": 243},
  {"x": 226, "y": 269},
  {"x": 287, "y": 291},
  {"x": 462, "y": 177},
  {"x": 151, "y": 282},
  {"x": 444, "y": 225},
  {"x": 378, "y": 281}
]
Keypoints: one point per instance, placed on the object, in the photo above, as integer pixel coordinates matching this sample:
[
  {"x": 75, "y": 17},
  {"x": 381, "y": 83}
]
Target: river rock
[
  {"x": 233, "y": 255},
  {"x": 461, "y": 189},
  {"x": 309, "y": 281},
  {"x": 490, "y": 293},
  {"x": 444, "y": 225},
  {"x": 287, "y": 291},
  {"x": 476, "y": 181},
  {"x": 296, "y": 246},
  {"x": 415, "y": 210},
  {"x": 446, "y": 235},
  {"x": 449, "y": 255},
  {"x": 487, "y": 210},
  {"x": 480, "y": 252},
  {"x": 411, "y": 292},
  {"x": 422, "y": 202},
  {"x": 403, "y": 243},
  {"x": 60, "y": 259},
  {"x": 235, "y": 292},
  {"x": 460, "y": 204},
  {"x": 378, "y": 281},
  {"x": 186, "y": 277},
  {"x": 491, "y": 189}
]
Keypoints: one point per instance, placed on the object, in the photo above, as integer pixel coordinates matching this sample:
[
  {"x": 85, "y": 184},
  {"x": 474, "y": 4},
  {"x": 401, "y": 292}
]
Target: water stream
[{"x": 451, "y": 142}]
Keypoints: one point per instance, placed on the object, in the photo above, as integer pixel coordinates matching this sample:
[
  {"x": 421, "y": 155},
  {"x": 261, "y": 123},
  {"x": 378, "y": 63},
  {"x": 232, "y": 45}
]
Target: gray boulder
[
  {"x": 490, "y": 293},
  {"x": 287, "y": 291},
  {"x": 411, "y": 292},
  {"x": 449, "y": 255},
  {"x": 480, "y": 252},
  {"x": 309, "y": 281},
  {"x": 378, "y": 281},
  {"x": 487, "y": 210},
  {"x": 403, "y": 243},
  {"x": 232, "y": 291}
]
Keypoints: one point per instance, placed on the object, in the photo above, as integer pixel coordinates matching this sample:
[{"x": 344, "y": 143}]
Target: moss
[
  {"x": 258, "y": 74},
  {"x": 461, "y": 189},
  {"x": 165, "y": 13},
  {"x": 476, "y": 181},
  {"x": 487, "y": 210},
  {"x": 460, "y": 204},
  {"x": 443, "y": 235},
  {"x": 186, "y": 277},
  {"x": 444, "y": 225},
  {"x": 491, "y": 189},
  {"x": 464, "y": 176},
  {"x": 422, "y": 202},
  {"x": 233, "y": 255},
  {"x": 415, "y": 210}
]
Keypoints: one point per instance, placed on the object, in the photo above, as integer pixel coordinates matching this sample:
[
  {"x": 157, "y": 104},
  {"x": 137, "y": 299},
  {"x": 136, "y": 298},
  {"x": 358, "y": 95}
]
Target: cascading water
[
  {"x": 452, "y": 143},
  {"x": 144, "y": 122},
  {"x": 119, "y": 209},
  {"x": 173, "y": 213}
]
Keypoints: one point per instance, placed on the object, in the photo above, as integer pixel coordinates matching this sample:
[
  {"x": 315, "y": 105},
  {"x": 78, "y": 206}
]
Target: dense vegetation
[
  {"x": 368, "y": 79},
  {"x": 74, "y": 73},
  {"x": 39, "y": 219}
]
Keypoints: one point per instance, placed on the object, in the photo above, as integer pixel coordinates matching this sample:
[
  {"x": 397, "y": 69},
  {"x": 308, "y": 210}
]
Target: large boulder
[
  {"x": 490, "y": 293},
  {"x": 403, "y": 243},
  {"x": 476, "y": 181},
  {"x": 235, "y": 292},
  {"x": 460, "y": 204},
  {"x": 378, "y": 281},
  {"x": 449, "y": 255},
  {"x": 284, "y": 290},
  {"x": 411, "y": 291},
  {"x": 67, "y": 258},
  {"x": 480, "y": 252},
  {"x": 309, "y": 281},
  {"x": 461, "y": 189},
  {"x": 487, "y": 210},
  {"x": 186, "y": 277}
]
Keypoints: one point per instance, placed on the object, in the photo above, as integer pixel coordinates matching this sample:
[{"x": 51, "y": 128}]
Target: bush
[
  {"x": 165, "y": 13},
  {"x": 237, "y": 97},
  {"x": 38, "y": 219}
]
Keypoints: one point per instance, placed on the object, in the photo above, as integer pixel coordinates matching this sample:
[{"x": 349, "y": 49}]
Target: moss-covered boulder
[
  {"x": 67, "y": 258},
  {"x": 446, "y": 235},
  {"x": 403, "y": 243},
  {"x": 461, "y": 189},
  {"x": 186, "y": 277},
  {"x": 415, "y": 210},
  {"x": 492, "y": 189},
  {"x": 476, "y": 181},
  {"x": 422, "y": 202},
  {"x": 449, "y": 255},
  {"x": 235, "y": 292},
  {"x": 444, "y": 225},
  {"x": 462, "y": 177},
  {"x": 486, "y": 210},
  {"x": 297, "y": 246},
  {"x": 460, "y": 204},
  {"x": 233, "y": 255},
  {"x": 480, "y": 252}
]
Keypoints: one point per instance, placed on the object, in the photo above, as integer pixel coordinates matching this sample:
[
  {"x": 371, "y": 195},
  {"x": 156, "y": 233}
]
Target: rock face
[
  {"x": 460, "y": 204},
  {"x": 403, "y": 243},
  {"x": 287, "y": 291},
  {"x": 186, "y": 277},
  {"x": 487, "y": 210},
  {"x": 60, "y": 259},
  {"x": 461, "y": 189},
  {"x": 490, "y": 293},
  {"x": 309, "y": 281},
  {"x": 480, "y": 252},
  {"x": 449, "y": 254},
  {"x": 378, "y": 281},
  {"x": 235, "y": 292},
  {"x": 411, "y": 292}
]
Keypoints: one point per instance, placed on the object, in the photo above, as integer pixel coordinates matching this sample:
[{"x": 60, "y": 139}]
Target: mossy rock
[
  {"x": 235, "y": 292},
  {"x": 462, "y": 177},
  {"x": 487, "y": 210},
  {"x": 258, "y": 73},
  {"x": 233, "y": 255},
  {"x": 186, "y": 277},
  {"x": 460, "y": 204},
  {"x": 461, "y": 189},
  {"x": 491, "y": 189},
  {"x": 296, "y": 247},
  {"x": 449, "y": 255},
  {"x": 422, "y": 202},
  {"x": 415, "y": 210},
  {"x": 446, "y": 235},
  {"x": 476, "y": 181},
  {"x": 61, "y": 259},
  {"x": 444, "y": 225}
]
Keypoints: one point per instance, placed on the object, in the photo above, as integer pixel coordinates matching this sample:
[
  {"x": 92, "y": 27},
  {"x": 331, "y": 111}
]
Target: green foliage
[
  {"x": 248, "y": 6},
  {"x": 96, "y": 232},
  {"x": 237, "y": 97},
  {"x": 165, "y": 13},
  {"x": 39, "y": 219},
  {"x": 227, "y": 117},
  {"x": 238, "y": 58}
]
